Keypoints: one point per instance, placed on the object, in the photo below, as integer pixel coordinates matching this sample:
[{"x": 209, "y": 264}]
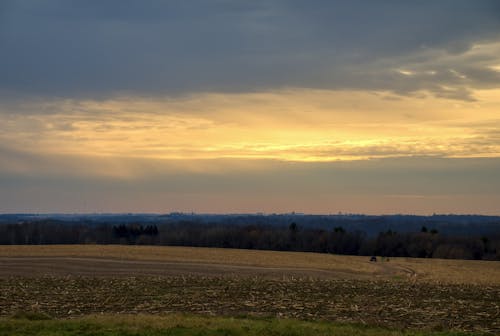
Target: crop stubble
[
  {"x": 399, "y": 304},
  {"x": 399, "y": 294}
]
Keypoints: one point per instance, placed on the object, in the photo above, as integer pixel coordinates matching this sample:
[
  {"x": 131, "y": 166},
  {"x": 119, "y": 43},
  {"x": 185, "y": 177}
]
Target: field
[
  {"x": 402, "y": 294},
  {"x": 154, "y": 260}
]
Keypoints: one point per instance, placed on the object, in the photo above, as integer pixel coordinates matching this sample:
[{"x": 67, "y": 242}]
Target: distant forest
[{"x": 425, "y": 242}]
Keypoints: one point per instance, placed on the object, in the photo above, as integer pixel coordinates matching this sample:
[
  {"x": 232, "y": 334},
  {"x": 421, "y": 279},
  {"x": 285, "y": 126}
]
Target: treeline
[{"x": 427, "y": 243}]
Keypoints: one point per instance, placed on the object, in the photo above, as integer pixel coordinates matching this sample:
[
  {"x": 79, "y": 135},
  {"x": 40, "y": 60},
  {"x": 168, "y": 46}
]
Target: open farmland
[
  {"x": 114, "y": 260},
  {"x": 74, "y": 281}
]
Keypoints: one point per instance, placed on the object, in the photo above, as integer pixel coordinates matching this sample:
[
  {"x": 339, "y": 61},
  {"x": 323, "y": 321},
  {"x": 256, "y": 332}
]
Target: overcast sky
[{"x": 247, "y": 106}]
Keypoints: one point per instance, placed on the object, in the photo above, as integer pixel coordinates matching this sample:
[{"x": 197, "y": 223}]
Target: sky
[{"x": 230, "y": 106}]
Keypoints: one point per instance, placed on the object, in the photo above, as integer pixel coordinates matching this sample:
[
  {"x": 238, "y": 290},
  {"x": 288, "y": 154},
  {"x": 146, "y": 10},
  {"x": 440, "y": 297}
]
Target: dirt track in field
[
  {"x": 120, "y": 260},
  {"x": 77, "y": 280},
  {"x": 106, "y": 267}
]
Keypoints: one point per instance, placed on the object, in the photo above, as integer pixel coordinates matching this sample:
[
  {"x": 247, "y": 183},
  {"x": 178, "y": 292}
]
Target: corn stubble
[{"x": 393, "y": 304}]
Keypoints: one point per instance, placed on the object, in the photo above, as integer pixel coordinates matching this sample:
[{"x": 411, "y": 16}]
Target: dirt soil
[
  {"x": 394, "y": 304},
  {"x": 105, "y": 267},
  {"x": 119, "y": 260},
  {"x": 70, "y": 281}
]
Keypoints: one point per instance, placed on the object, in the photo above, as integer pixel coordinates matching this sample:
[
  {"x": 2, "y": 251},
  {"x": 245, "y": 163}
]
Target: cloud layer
[
  {"x": 95, "y": 48},
  {"x": 417, "y": 185},
  {"x": 294, "y": 125},
  {"x": 243, "y": 106}
]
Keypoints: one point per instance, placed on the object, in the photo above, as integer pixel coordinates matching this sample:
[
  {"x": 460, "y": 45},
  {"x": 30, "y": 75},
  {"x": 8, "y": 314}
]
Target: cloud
[
  {"x": 100, "y": 49},
  {"x": 75, "y": 184},
  {"x": 292, "y": 125},
  {"x": 224, "y": 106}
]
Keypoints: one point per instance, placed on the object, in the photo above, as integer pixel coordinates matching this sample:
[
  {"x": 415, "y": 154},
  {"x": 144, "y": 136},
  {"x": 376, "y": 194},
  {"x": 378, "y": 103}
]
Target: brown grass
[{"x": 435, "y": 270}]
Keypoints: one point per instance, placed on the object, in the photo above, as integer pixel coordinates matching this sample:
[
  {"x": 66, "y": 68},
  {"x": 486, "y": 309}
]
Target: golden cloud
[{"x": 288, "y": 125}]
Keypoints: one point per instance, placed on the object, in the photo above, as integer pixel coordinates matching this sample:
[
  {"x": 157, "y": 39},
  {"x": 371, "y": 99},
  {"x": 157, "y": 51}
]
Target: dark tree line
[
  {"x": 427, "y": 243},
  {"x": 132, "y": 232}
]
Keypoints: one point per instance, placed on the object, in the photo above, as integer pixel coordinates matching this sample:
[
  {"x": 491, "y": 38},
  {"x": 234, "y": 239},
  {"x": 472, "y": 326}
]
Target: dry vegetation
[
  {"x": 401, "y": 293},
  {"x": 396, "y": 304},
  {"x": 439, "y": 270}
]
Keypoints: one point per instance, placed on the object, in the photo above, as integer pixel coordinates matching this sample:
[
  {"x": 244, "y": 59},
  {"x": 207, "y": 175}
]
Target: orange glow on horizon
[{"x": 293, "y": 125}]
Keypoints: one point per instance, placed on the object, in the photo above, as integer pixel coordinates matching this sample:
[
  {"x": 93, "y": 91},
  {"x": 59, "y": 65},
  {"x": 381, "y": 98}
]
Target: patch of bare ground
[
  {"x": 122, "y": 260},
  {"x": 68, "y": 281},
  {"x": 395, "y": 304}
]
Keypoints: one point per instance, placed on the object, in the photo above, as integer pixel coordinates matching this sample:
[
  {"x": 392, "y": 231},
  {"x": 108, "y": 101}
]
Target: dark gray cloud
[{"x": 97, "y": 48}]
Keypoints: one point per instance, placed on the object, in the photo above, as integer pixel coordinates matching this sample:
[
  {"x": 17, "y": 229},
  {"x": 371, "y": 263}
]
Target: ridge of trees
[{"x": 425, "y": 243}]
